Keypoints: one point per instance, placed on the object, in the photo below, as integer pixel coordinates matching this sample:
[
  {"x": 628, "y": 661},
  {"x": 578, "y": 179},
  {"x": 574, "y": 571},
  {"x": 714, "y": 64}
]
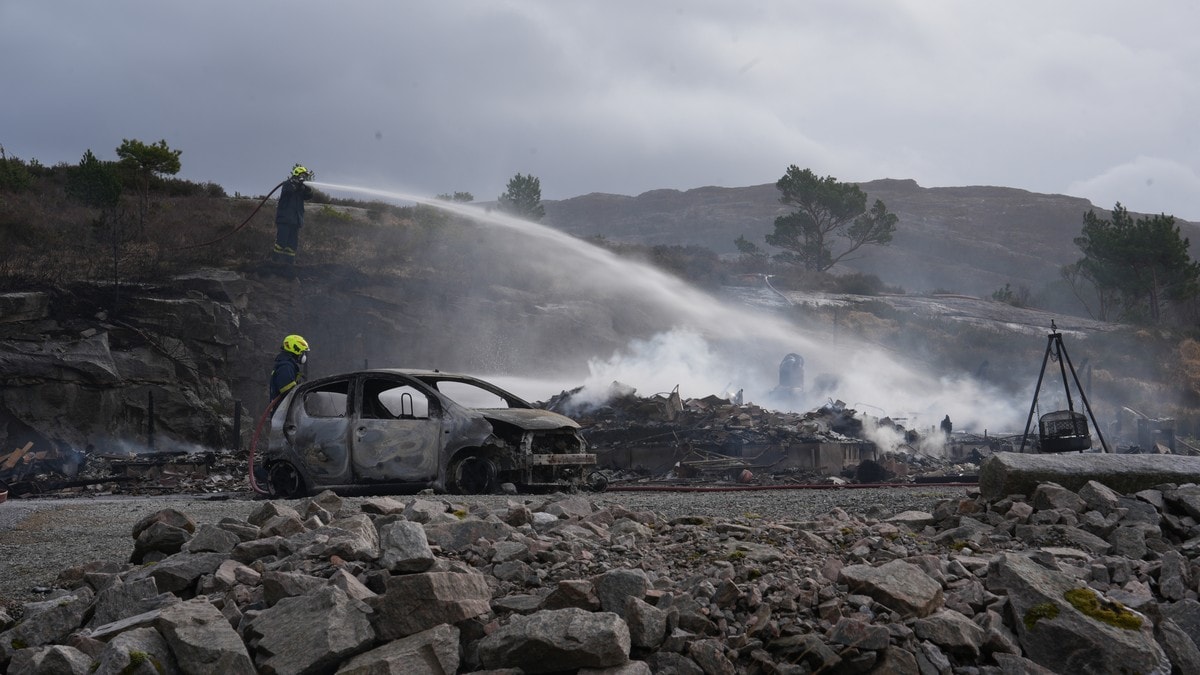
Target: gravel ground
[{"x": 41, "y": 537}]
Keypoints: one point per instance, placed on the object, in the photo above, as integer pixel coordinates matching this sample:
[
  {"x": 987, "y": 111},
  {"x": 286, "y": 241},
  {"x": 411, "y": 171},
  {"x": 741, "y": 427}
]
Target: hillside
[
  {"x": 970, "y": 240},
  {"x": 193, "y": 318}
]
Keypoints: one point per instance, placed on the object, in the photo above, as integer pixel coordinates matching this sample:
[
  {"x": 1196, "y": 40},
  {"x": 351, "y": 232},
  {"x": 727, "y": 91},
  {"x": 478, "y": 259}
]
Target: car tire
[
  {"x": 286, "y": 482},
  {"x": 473, "y": 474}
]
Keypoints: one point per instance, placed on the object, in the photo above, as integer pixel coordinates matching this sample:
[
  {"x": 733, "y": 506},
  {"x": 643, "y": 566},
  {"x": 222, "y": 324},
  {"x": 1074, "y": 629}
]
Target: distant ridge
[{"x": 972, "y": 239}]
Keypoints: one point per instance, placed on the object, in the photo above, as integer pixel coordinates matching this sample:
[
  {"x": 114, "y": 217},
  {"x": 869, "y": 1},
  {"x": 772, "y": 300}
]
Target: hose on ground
[
  {"x": 254, "y": 444},
  {"x": 234, "y": 230}
]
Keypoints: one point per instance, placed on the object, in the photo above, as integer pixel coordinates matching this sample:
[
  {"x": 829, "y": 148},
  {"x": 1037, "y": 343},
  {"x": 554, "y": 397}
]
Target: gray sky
[{"x": 1093, "y": 98}]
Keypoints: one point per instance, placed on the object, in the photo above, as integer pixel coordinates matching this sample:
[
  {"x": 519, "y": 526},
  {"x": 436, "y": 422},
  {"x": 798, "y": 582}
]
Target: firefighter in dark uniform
[
  {"x": 287, "y": 372},
  {"x": 289, "y": 215}
]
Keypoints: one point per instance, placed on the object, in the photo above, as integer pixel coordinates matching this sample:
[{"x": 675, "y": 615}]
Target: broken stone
[
  {"x": 57, "y": 659},
  {"x": 169, "y": 517},
  {"x": 952, "y": 632},
  {"x": 614, "y": 587},
  {"x": 559, "y": 639},
  {"x": 578, "y": 593},
  {"x": 710, "y": 656},
  {"x": 353, "y": 538},
  {"x": 45, "y": 623},
  {"x": 1049, "y": 496},
  {"x": 412, "y": 603},
  {"x": 896, "y": 585},
  {"x": 404, "y": 547},
  {"x": 458, "y": 535},
  {"x": 430, "y": 652},
  {"x": 279, "y": 585},
  {"x": 913, "y": 520},
  {"x": 855, "y": 633},
  {"x": 158, "y": 538},
  {"x": 120, "y": 600},
  {"x": 200, "y": 636},
  {"x": 1056, "y": 635},
  {"x": 270, "y": 510},
  {"x": 310, "y": 633},
  {"x": 211, "y": 539},
  {"x": 647, "y": 623},
  {"x": 141, "y": 651}
]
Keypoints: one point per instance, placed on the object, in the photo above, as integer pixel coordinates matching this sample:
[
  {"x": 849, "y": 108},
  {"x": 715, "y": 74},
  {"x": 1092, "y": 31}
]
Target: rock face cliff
[{"x": 77, "y": 374}]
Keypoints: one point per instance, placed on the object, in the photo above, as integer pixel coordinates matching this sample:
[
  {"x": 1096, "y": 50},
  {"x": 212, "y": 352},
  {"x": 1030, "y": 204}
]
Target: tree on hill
[
  {"x": 94, "y": 183},
  {"x": 145, "y": 162},
  {"x": 826, "y": 208},
  {"x": 1134, "y": 269},
  {"x": 523, "y": 198}
]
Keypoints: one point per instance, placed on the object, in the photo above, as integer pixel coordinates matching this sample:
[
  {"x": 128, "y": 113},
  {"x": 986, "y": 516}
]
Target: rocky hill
[{"x": 970, "y": 240}]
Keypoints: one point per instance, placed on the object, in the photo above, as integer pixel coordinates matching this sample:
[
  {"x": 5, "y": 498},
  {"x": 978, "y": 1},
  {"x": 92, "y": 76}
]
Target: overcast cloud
[{"x": 1093, "y": 98}]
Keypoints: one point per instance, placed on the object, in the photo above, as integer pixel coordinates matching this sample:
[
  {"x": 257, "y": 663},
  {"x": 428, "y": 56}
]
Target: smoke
[
  {"x": 603, "y": 319},
  {"x": 892, "y": 438}
]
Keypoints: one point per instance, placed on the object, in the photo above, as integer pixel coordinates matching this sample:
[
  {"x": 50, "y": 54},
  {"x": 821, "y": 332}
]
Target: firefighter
[
  {"x": 289, "y": 215},
  {"x": 287, "y": 372}
]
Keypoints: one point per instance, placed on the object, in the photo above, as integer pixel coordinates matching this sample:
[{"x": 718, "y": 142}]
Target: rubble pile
[
  {"x": 1054, "y": 581},
  {"x": 715, "y": 439},
  {"x": 68, "y": 472},
  {"x": 710, "y": 423}
]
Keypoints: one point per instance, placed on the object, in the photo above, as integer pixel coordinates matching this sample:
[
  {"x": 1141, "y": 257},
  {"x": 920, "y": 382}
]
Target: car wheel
[
  {"x": 473, "y": 475},
  {"x": 286, "y": 482}
]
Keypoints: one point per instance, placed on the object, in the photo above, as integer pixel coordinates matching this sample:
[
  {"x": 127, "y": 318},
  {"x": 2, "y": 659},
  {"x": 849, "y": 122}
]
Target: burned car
[{"x": 393, "y": 430}]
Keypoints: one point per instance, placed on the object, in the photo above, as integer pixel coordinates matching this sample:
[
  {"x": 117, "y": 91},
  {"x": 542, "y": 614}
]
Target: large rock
[
  {"x": 897, "y": 585},
  {"x": 1056, "y": 635},
  {"x": 459, "y": 535},
  {"x": 178, "y": 574},
  {"x": 55, "y": 659},
  {"x": 202, "y": 640},
  {"x": 46, "y": 622},
  {"x": 404, "y": 547},
  {"x": 557, "y": 639},
  {"x": 145, "y": 646},
  {"x": 430, "y": 652},
  {"x": 1006, "y": 473},
  {"x": 121, "y": 600},
  {"x": 353, "y": 538},
  {"x": 412, "y": 603},
  {"x": 613, "y": 587},
  {"x": 310, "y": 633}
]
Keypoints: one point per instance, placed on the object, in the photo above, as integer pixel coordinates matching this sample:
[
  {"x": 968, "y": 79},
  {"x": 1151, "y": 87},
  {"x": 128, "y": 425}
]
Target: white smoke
[{"x": 706, "y": 346}]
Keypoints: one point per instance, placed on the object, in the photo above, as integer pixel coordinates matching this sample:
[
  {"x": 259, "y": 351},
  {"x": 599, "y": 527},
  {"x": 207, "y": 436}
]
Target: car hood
[{"x": 532, "y": 419}]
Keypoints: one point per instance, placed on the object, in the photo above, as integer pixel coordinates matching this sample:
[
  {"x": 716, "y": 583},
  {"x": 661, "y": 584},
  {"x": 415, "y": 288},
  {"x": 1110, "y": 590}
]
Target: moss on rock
[{"x": 1110, "y": 612}]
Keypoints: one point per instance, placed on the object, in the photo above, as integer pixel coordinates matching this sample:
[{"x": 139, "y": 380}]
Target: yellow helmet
[
  {"x": 295, "y": 344},
  {"x": 299, "y": 171}
]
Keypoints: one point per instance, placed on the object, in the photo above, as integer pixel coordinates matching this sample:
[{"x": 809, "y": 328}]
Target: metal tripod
[{"x": 1055, "y": 344}]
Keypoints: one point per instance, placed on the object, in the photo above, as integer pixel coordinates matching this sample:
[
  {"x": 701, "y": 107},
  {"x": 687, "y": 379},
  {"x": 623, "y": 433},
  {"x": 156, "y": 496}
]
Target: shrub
[{"x": 14, "y": 176}]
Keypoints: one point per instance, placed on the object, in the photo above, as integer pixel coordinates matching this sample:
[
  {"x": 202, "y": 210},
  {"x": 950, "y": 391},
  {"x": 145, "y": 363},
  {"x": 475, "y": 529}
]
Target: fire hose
[
  {"x": 793, "y": 486},
  {"x": 235, "y": 230},
  {"x": 254, "y": 444}
]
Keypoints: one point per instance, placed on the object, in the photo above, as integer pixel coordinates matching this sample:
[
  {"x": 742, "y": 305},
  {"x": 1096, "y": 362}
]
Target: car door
[
  {"x": 397, "y": 431},
  {"x": 318, "y": 429}
]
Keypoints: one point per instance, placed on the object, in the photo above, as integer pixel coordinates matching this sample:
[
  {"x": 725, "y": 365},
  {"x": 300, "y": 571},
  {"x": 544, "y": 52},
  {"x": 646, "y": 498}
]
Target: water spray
[{"x": 705, "y": 341}]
